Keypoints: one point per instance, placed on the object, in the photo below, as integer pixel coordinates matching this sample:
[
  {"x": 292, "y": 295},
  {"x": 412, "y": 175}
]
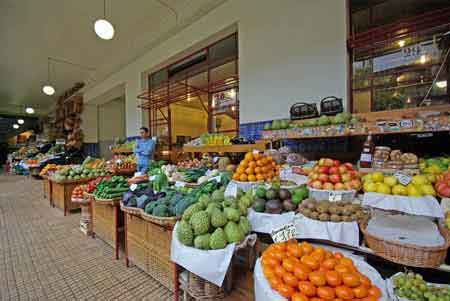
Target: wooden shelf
[{"x": 234, "y": 148}]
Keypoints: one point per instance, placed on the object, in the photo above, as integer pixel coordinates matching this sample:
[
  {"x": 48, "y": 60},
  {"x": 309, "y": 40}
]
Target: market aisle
[{"x": 44, "y": 256}]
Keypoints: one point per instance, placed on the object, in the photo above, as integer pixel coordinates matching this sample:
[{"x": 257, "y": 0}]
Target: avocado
[
  {"x": 271, "y": 194},
  {"x": 259, "y": 205},
  {"x": 284, "y": 194}
]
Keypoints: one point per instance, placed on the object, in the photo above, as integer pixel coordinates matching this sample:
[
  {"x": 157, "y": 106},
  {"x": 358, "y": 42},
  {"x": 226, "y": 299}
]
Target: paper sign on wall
[{"x": 284, "y": 233}]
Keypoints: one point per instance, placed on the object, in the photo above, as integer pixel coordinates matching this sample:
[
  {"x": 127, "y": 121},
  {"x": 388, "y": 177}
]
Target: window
[{"x": 399, "y": 54}]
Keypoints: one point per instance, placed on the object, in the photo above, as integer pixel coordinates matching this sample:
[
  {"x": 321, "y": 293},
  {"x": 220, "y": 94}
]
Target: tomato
[
  {"x": 279, "y": 271},
  {"x": 301, "y": 271},
  {"x": 333, "y": 278},
  {"x": 275, "y": 282},
  {"x": 269, "y": 261},
  {"x": 317, "y": 278},
  {"x": 306, "y": 247},
  {"x": 268, "y": 272},
  {"x": 294, "y": 250},
  {"x": 299, "y": 297},
  {"x": 285, "y": 290},
  {"x": 350, "y": 279},
  {"x": 346, "y": 261},
  {"x": 340, "y": 268},
  {"x": 326, "y": 292},
  {"x": 369, "y": 298},
  {"x": 312, "y": 263},
  {"x": 344, "y": 292},
  {"x": 338, "y": 255},
  {"x": 365, "y": 280},
  {"x": 307, "y": 288}
]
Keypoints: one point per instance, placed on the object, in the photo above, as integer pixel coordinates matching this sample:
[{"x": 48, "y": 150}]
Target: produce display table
[
  {"x": 107, "y": 222},
  {"x": 147, "y": 245},
  {"x": 47, "y": 188},
  {"x": 234, "y": 148},
  {"x": 35, "y": 170},
  {"x": 61, "y": 196}
]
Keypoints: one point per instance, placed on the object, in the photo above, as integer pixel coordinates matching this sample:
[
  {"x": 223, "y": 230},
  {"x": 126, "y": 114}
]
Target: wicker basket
[
  {"x": 131, "y": 210},
  {"x": 168, "y": 222},
  {"x": 408, "y": 254}
]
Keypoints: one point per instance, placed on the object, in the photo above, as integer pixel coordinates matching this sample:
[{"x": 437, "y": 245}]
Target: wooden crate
[
  {"x": 47, "y": 187},
  {"x": 147, "y": 245},
  {"x": 106, "y": 222},
  {"x": 62, "y": 195}
]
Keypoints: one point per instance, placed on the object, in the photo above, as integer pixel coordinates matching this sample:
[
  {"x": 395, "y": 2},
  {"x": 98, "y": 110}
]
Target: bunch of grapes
[{"x": 413, "y": 287}]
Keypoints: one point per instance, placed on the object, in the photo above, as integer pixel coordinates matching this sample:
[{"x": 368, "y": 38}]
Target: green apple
[
  {"x": 399, "y": 189},
  {"x": 391, "y": 181},
  {"x": 383, "y": 188}
]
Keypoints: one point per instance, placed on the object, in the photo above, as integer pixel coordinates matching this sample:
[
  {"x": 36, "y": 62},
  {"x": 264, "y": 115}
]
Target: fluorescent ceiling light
[{"x": 441, "y": 84}]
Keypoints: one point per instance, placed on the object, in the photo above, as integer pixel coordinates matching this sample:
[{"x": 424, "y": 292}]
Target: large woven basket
[
  {"x": 168, "y": 222},
  {"x": 131, "y": 210},
  {"x": 408, "y": 254}
]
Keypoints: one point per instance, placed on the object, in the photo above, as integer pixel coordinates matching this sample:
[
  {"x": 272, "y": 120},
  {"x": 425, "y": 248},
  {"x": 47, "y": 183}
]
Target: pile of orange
[
  {"x": 256, "y": 167},
  {"x": 302, "y": 272}
]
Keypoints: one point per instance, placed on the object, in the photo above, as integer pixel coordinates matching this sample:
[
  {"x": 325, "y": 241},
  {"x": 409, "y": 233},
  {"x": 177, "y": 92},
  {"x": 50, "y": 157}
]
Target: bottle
[{"x": 365, "y": 161}]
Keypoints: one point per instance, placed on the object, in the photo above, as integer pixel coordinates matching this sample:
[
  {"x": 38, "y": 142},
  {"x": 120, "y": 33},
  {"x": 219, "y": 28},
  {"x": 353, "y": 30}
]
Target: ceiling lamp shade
[
  {"x": 16, "y": 126},
  {"x": 20, "y": 121},
  {"x": 104, "y": 29},
  {"x": 29, "y": 110},
  {"x": 48, "y": 89}
]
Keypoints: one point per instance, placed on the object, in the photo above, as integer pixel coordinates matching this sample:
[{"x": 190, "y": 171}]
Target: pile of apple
[{"x": 329, "y": 174}]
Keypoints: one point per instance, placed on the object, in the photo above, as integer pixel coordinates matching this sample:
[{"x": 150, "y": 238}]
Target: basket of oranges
[
  {"x": 303, "y": 272},
  {"x": 256, "y": 167}
]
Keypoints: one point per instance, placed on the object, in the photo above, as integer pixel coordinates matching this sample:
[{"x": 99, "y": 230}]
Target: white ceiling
[{"x": 32, "y": 30}]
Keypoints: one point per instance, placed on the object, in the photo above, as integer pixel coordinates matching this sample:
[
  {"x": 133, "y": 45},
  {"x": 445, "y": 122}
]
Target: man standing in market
[{"x": 144, "y": 150}]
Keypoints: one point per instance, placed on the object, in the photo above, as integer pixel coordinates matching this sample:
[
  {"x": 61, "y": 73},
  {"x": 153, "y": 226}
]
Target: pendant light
[
  {"x": 20, "y": 121},
  {"x": 103, "y": 28},
  {"x": 48, "y": 89},
  {"x": 16, "y": 126},
  {"x": 29, "y": 110}
]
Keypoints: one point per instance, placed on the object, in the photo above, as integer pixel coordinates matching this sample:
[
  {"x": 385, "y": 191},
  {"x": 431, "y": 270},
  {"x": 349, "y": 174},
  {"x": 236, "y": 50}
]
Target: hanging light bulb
[
  {"x": 29, "y": 110},
  {"x": 423, "y": 59},
  {"x": 16, "y": 126},
  {"x": 48, "y": 89},
  {"x": 20, "y": 121},
  {"x": 232, "y": 93},
  {"x": 401, "y": 43},
  {"x": 102, "y": 27}
]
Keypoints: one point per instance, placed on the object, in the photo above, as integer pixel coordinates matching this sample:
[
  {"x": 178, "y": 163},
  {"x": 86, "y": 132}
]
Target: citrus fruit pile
[
  {"x": 256, "y": 167},
  {"x": 302, "y": 272}
]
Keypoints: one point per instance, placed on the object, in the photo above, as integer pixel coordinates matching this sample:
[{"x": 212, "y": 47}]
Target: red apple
[
  {"x": 339, "y": 186},
  {"x": 333, "y": 170},
  {"x": 345, "y": 177},
  {"x": 356, "y": 184},
  {"x": 316, "y": 168},
  {"x": 322, "y": 162},
  {"x": 323, "y": 177},
  {"x": 314, "y": 176},
  {"x": 309, "y": 183},
  {"x": 324, "y": 169},
  {"x": 354, "y": 174},
  {"x": 336, "y": 163},
  {"x": 328, "y": 186},
  {"x": 342, "y": 169},
  {"x": 329, "y": 162},
  {"x": 348, "y": 185},
  {"x": 348, "y": 165},
  {"x": 335, "y": 178},
  {"x": 317, "y": 185}
]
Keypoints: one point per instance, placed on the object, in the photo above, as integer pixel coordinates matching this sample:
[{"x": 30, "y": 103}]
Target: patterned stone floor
[{"x": 43, "y": 255}]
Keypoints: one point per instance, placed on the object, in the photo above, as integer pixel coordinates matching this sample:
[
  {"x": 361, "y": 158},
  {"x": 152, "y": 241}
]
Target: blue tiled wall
[{"x": 252, "y": 130}]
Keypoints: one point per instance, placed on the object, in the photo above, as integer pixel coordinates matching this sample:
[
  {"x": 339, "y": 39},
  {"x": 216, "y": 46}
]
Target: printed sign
[
  {"x": 402, "y": 178},
  {"x": 179, "y": 184},
  {"x": 284, "y": 233},
  {"x": 133, "y": 187},
  {"x": 335, "y": 197},
  {"x": 217, "y": 179},
  {"x": 60, "y": 141}
]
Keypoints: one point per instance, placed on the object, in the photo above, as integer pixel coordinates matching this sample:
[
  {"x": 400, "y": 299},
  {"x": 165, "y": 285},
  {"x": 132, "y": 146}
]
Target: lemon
[
  {"x": 377, "y": 176},
  {"x": 413, "y": 190},
  {"x": 383, "y": 188},
  {"x": 419, "y": 180},
  {"x": 371, "y": 187},
  {"x": 431, "y": 177},
  {"x": 390, "y": 181},
  {"x": 399, "y": 189},
  {"x": 428, "y": 189},
  {"x": 367, "y": 178}
]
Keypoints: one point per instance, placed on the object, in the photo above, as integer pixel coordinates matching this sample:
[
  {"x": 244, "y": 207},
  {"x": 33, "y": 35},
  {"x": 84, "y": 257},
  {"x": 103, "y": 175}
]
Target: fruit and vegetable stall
[{"x": 247, "y": 221}]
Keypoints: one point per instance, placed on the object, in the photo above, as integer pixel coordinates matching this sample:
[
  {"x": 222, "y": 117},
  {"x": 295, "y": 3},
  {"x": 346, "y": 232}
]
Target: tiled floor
[{"x": 43, "y": 255}]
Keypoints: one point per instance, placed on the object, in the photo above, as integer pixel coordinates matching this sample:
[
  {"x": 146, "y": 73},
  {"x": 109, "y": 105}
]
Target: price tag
[
  {"x": 179, "y": 184},
  {"x": 402, "y": 178},
  {"x": 151, "y": 178},
  {"x": 334, "y": 197},
  {"x": 133, "y": 187},
  {"x": 284, "y": 233},
  {"x": 60, "y": 141},
  {"x": 217, "y": 179}
]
